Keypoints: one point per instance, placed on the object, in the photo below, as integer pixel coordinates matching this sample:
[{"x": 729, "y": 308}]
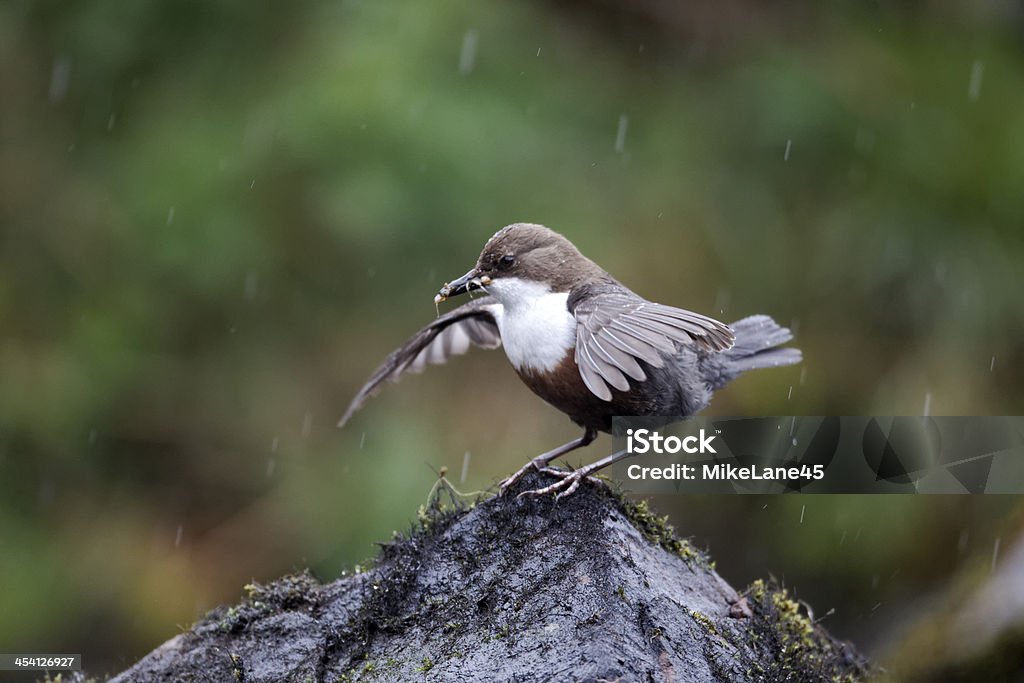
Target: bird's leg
[
  {"x": 570, "y": 481},
  {"x": 541, "y": 461}
]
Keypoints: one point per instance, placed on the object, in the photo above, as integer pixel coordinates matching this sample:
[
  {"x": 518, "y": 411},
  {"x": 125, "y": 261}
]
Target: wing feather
[
  {"x": 608, "y": 372},
  {"x": 617, "y": 329},
  {"x": 589, "y": 373},
  {"x": 622, "y": 360},
  {"x": 452, "y": 334}
]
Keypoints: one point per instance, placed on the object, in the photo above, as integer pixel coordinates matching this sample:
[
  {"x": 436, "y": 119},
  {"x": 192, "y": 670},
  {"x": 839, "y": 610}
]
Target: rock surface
[{"x": 590, "y": 589}]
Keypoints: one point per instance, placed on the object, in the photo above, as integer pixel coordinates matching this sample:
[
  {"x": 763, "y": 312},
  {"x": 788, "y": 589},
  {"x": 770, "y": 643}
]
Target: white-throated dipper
[{"x": 583, "y": 342}]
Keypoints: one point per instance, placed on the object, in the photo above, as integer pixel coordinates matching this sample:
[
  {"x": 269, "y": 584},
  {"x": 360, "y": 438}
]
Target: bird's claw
[
  {"x": 522, "y": 472},
  {"x": 568, "y": 482}
]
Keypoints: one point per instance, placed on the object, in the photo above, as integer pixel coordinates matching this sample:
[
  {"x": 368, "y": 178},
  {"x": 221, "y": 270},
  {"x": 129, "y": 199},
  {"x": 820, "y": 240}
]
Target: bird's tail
[{"x": 757, "y": 340}]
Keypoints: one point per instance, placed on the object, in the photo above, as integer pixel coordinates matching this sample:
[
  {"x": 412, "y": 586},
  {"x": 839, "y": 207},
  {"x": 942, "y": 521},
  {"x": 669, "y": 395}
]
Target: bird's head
[{"x": 521, "y": 260}]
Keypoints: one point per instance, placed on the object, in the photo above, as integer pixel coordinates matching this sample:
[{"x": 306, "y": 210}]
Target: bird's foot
[
  {"x": 567, "y": 484},
  {"x": 535, "y": 465}
]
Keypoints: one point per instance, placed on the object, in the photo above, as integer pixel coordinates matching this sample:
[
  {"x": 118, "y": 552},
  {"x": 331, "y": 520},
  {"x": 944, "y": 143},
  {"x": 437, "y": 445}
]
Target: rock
[{"x": 592, "y": 588}]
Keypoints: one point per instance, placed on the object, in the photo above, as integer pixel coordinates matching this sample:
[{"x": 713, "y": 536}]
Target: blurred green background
[{"x": 216, "y": 218}]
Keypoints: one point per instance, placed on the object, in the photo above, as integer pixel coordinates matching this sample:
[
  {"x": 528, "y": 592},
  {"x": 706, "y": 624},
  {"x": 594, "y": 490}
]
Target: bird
[{"x": 584, "y": 342}]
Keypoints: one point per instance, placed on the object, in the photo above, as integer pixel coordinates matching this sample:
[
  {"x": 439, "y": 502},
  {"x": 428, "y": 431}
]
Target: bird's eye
[{"x": 506, "y": 261}]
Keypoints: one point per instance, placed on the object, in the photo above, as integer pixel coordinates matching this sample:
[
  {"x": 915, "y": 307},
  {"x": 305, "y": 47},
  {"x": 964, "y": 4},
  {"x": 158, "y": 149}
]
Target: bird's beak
[{"x": 467, "y": 283}]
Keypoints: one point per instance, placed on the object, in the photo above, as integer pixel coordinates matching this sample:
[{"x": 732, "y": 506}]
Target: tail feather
[{"x": 757, "y": 341}]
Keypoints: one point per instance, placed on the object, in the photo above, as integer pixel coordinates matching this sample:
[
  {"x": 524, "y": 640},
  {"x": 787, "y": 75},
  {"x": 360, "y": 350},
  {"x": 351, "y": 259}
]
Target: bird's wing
[
  {"x": 452, "y": 334},
  {"x": 616, "y": 329}
]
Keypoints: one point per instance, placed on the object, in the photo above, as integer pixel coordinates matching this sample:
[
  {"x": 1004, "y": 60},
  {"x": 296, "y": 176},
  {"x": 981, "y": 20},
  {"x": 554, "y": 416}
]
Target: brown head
[{"x": 530, "y": 254}]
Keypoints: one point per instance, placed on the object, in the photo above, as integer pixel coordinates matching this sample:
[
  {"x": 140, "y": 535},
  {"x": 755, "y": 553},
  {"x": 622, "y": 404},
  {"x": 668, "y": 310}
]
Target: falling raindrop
[
  {"x": 111, "y": 120},
  {"x": 789, "y": 145},
  {"x": 467, "y": 57},
  {"x": 995, "y": 553},
  {"x": 252, "y": 284},
  {"x": 842, "y": 540},
  {"x": 961, "y": 544},
  {"x": 992, "y": 365},
  {"x": 974, "y": 84},
  {"x": 362, "y": 440},
  {"x": 177, "y": 536},
  {"x": 927, "y": 403},
  {"x": 620, "y": 134},
  {"x": 789, "y": 396},
  {"x": 307, "y": 425},
  {"x": 271, "y": 466},
  {"x": 60, "y": 78},
  {"x": 803, "y": 509},
  {"x": 170, "y": 215},
  {"x": 803, "y": 375},
  {"x": 722, "y": 298},
  {"x": 465, "y": 467},
  {"x": 274, "y": 444}
]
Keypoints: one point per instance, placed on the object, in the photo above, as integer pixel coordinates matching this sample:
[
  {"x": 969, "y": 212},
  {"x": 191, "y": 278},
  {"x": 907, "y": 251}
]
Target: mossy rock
[{"x": 591, "y": 588}]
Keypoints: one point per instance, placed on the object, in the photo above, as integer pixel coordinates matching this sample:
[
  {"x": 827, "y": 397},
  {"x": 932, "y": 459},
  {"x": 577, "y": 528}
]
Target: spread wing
[
  {"x": 451, "y": 334},
  {"x": 616, "y": 329}
]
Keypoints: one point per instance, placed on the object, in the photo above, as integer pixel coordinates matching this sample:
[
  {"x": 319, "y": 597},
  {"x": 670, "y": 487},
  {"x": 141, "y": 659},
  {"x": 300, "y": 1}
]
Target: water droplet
[
  {"x": 620, "y": 134},
  {"x": 789, "y": 145},
  {"x": 60, "y": 78},
  {"x": 974, "y": 84},
  {"x": 467, "y": 57}
]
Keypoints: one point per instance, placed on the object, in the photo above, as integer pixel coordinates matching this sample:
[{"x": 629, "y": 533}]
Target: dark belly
[{"x": 564, "y": 389}]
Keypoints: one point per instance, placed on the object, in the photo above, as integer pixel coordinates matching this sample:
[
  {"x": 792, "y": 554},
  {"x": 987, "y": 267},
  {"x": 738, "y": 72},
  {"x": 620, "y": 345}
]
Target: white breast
[{"x": 537, "y": 330}]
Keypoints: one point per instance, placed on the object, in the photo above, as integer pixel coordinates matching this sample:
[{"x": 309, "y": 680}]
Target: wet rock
[{"x": 593, "y": 588}]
